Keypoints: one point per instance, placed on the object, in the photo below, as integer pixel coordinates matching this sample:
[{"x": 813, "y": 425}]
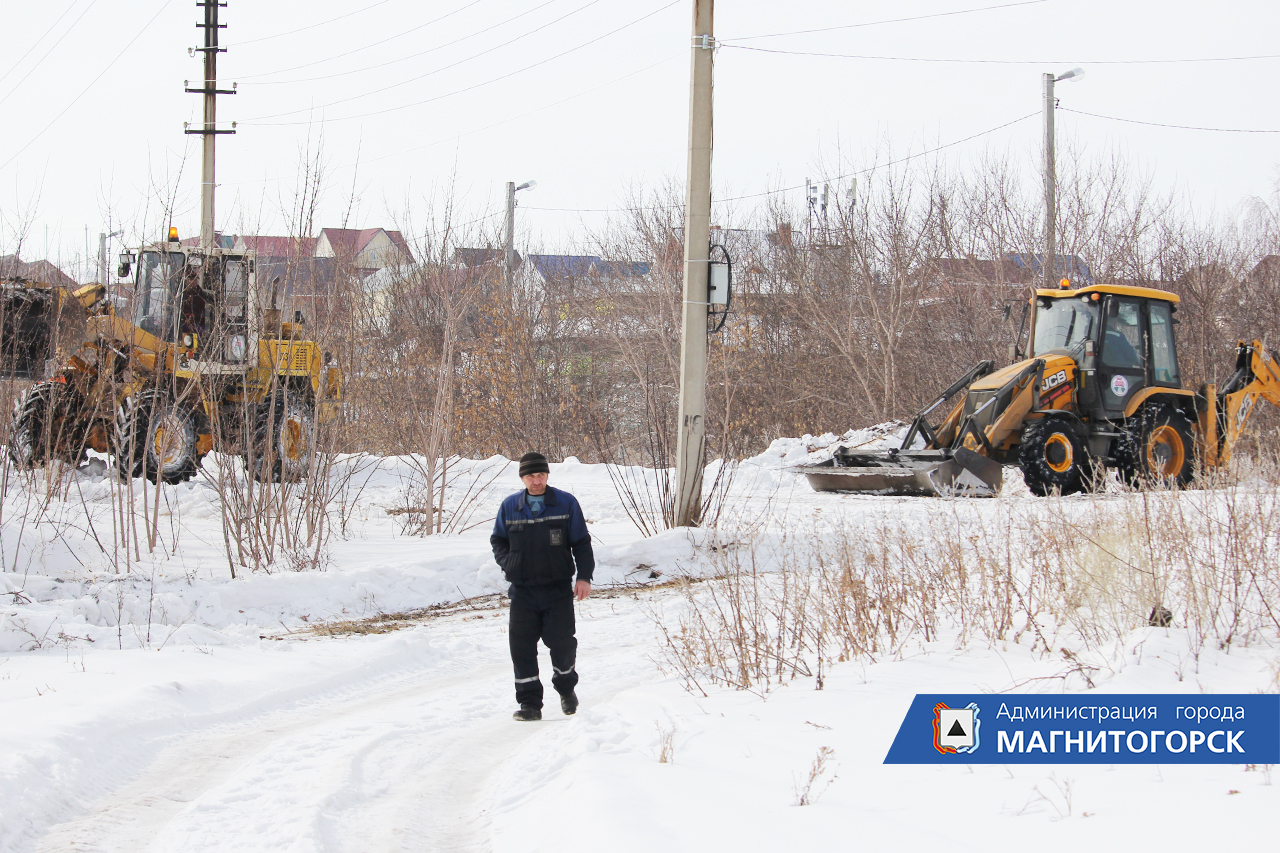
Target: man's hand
[{"x": 581, "y": 590}]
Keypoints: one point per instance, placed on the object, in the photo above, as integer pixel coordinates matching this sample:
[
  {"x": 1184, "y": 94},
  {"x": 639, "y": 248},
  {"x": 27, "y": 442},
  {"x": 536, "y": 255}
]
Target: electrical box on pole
[{"x": 718, "y": 285}]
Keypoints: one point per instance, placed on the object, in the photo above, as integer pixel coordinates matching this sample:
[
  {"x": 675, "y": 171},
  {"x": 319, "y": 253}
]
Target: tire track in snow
[{"x": 400, "y": 769}]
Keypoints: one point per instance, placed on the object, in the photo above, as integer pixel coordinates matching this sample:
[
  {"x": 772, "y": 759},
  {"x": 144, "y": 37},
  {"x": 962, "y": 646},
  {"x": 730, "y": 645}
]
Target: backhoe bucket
[{"x": 958, "y": 473}]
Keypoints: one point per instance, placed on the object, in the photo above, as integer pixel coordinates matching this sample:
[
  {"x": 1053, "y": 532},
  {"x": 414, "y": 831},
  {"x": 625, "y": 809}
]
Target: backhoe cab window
[
  {"x": 1064, "y": 323},
  {"x": 159, "y": 293},
  {"x": 1122, "y": 342},
  {"x": 1164, "y": 358}
]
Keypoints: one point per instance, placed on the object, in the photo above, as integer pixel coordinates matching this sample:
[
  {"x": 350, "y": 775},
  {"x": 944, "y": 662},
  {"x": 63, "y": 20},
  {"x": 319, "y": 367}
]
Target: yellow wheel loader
[
  {"x": 197, "y": 362},
  {"x": 1101, "y": 388}
]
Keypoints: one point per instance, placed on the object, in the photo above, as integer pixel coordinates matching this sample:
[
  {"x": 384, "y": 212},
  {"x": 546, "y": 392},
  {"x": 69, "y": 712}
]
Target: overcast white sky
[{"x": 590, "y": 97}]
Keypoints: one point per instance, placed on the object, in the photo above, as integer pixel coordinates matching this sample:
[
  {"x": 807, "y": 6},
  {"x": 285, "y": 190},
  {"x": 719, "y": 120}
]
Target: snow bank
[
  {"x": 66, "y": 585},
  {"x": 808, "y": 449}
]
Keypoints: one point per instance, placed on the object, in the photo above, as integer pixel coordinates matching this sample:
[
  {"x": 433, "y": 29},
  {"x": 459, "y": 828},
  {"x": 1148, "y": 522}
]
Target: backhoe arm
[{"x": 1257, "y": 376}]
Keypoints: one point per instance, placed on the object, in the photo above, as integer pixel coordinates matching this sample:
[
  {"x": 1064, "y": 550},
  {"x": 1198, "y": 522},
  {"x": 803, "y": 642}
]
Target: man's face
[{"x": 536, "y": 484}]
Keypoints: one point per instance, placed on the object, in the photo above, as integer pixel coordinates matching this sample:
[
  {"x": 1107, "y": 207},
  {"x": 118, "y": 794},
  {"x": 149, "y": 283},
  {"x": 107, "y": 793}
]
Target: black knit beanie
[{"x": 533, "y": 463}]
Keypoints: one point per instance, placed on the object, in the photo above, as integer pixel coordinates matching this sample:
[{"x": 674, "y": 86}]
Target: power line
[
  {"x": 361, "y": 49},
  {"x": 403, "y": 58},
  {"x": 856, "y": 173},
  {"x": 886, "y": 21},
  {"x": 313, "y": 26},
  {"x": 1003, "y": 61},
  {"x": 380, "y": 42},
  {"x": 136, "y": 36},
  {"x": 36, "y": 43},
  {"x": 1160, "y": 124},
  {"x": 47, "y": 52},
  {"x": 507, "y": 120},
  {"x": 258, "y": 121}
]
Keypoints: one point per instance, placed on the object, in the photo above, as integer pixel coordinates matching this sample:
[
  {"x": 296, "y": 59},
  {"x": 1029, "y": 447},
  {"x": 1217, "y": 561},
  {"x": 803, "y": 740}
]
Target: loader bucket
[
  {"x": 958, "y": 472},
  {"x": 27, "y": 317}
]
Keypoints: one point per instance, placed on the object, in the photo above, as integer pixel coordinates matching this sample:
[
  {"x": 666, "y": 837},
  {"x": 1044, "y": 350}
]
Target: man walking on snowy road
[{"x": 538, "y": 537}]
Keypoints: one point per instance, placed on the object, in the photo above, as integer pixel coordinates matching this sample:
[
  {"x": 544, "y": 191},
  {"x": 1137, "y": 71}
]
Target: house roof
[
  {"x": 1011, "y": 268},
  {"x": 563, "y": 266},
  {"x": 307, "y": 275},
  {"x": 476, "y": 257},
  {"x": 977, "y": 270},
  {"x": 224, "y": 241},
  {"x": 352, "y": 241},
  {"x": 580, "y": 266},
  {"x": 11, "y": 266},
  {"x": 1072, "y": 266},
  {"x": 279, "y": 247},
  {"x": 1267, "y": 267},
  {"x": 623, "y": 269}
]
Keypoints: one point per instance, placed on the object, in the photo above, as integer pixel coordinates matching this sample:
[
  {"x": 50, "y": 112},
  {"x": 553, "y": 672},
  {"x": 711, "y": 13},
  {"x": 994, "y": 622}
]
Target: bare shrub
[
  {"x": 805, "y": 795},
  {"x": 1063, "y": 576}
]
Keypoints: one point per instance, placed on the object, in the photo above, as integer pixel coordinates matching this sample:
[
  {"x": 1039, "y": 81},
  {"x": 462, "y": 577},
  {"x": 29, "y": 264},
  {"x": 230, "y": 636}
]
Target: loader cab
[
  {"x": 198, "y": 300},
  {"x": 157, "y": 293},
  {"x": 1122, "y": 338}
]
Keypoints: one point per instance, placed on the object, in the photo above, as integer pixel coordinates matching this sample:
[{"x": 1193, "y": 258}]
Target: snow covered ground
[{"x": 173, "y": 708}]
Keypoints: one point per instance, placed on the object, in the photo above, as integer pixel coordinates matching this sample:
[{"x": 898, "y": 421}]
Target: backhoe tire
[
  {"x": 28, "y": 442},
  {"x": 1161, "y": 450},
  {"x": 158, "y": 440},
  {"x": 1053, "y": 458},
  {"x": 284, "y": 439}
]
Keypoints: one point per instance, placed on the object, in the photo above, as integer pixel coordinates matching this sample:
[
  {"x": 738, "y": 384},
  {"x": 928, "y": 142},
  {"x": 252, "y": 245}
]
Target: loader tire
[
  {"x": 284, "y": 439},
  {"x": 158, "y": 440},
  {"x": 1161, "y": 451},
  {"x": 1053, "y": 458},
  {"x": 28, "y": 441},
  {"x": 47, "y": 425}
]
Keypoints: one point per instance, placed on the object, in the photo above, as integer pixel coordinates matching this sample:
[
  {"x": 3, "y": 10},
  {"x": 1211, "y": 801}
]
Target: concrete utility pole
[
  {"x": 209, "y": 129},
  {"x": 510, "y": 257},
  {"x": 1050, "y": 267},
  {"x": 691, "y": 441}
]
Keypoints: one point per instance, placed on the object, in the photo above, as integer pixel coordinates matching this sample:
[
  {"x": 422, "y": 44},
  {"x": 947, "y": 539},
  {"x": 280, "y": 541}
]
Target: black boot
[
  {"x": 527, "y": 714},
  {"x": 569, "y": 703}
]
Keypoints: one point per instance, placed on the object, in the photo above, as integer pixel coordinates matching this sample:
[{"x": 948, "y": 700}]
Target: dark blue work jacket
[{"x": 542, "y": 549}]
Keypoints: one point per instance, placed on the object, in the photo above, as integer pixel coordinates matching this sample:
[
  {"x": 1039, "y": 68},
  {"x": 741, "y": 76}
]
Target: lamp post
[
  {"x": 102, "y": 252},
  {"x": 510, "y": 257},
  {"x": 1049, "y": 267}
]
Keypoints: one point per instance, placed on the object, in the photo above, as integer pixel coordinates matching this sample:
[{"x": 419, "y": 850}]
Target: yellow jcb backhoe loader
[{"x": 1101, "y": 387}]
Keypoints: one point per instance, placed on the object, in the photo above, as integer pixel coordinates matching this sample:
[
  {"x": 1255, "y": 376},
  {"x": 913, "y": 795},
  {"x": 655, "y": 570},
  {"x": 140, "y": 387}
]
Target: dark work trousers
[{"x": 544, "y": 613}]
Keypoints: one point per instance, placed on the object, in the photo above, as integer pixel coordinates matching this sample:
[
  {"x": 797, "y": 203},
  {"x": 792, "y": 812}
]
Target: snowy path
[{"x": 404, "y": 766}]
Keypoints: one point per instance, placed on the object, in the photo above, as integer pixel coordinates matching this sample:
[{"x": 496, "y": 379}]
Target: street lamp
[
  {"x": 102, "y": 252},
  {"x": 1050, "y": 264},
  {"x": 512, "y": 189}
]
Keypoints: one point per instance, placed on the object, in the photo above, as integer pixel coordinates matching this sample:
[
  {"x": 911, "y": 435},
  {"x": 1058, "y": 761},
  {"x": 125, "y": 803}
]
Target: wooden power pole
[{"x": 691, "y": 441}]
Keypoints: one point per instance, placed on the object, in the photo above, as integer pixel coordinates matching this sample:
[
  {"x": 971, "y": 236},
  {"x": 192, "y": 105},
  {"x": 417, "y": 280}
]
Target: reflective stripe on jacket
[{"x": 543, "y": 548}]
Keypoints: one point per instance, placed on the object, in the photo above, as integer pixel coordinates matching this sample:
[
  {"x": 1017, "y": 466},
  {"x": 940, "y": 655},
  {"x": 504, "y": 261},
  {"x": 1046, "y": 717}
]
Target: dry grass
[
  {"x": 477, "y": 607},
  {"x": 1065, "y": 576},
  {"x": 805, "y": 794}
]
